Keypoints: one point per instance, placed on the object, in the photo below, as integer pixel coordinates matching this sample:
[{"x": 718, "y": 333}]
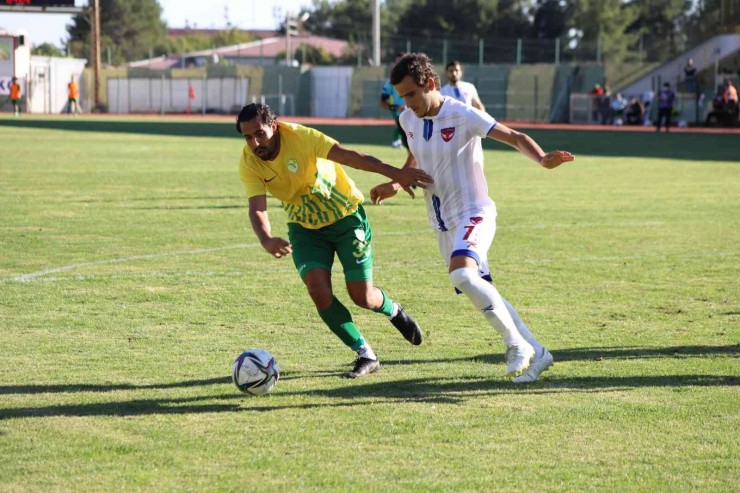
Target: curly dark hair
[
  {"x": 418, "y": 66},
  {"x": 253, "y": 110}
]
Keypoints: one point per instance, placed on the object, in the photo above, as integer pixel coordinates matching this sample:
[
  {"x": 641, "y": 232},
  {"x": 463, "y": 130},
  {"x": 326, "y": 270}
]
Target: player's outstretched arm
[
  {"x": 406, "y": 177},
  {"x": 527, "y": 146},
  {"x": 276, "y": 246},
  {"x": 387, "y": 190}
]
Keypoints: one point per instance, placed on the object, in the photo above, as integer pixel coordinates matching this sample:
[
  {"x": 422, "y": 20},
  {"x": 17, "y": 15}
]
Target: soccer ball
[{"x": 255, "y": 372}]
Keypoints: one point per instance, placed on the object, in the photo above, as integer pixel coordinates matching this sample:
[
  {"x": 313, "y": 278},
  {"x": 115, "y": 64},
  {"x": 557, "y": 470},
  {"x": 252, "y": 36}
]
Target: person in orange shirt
[
  {"x": 73, "y": 94},
  {"x": 15, "y": 95}
]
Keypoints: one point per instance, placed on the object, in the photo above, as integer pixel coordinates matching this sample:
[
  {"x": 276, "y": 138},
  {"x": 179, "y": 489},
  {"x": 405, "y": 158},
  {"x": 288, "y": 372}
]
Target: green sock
[
  {"x": 387, "y": 307},
  {"x": 339, "y": 320}
]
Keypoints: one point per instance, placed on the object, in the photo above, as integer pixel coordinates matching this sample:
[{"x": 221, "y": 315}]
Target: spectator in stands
[
  {"x": 634, "y": 114},
  {"x": 647, "y": 100},
  {"x": 618, "y": 105},
  {"x": 605, "y": 109},
  {"x": 725, "y": 106},
  {"x": 730, "y": 96},
  {"x": 665, "y": 106},
  {"x": 15, "y": 95},
  {"x": 689, "y": 76},
  {"x": 718, "y": 112},
  {"x": 596, "y": 94}
]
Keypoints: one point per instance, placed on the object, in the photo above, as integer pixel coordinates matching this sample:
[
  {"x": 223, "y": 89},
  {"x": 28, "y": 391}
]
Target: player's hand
[
  {"x": 556, "y": 158},
  {"x": 384, "y": 191},
  {"x": 278, "y": 247},
  {"x": 412, "y": 177}
]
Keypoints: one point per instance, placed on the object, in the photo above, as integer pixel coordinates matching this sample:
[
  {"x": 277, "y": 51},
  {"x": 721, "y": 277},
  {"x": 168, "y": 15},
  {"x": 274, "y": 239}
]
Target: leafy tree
[
  {"x": 659, "y": 23},
  {"x": 605, "y": 22},
  {"x": 199, "y": 42},
  {"x": 130, "y": 28},
  {"x": 550, "y": 19},
  {"x": 47, "y": 49},
  {"x": 313, "y": 55}
]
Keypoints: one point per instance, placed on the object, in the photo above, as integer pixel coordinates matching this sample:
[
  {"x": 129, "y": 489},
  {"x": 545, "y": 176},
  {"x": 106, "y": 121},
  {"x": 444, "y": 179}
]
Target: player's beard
[{"x": 268, "y": 151}]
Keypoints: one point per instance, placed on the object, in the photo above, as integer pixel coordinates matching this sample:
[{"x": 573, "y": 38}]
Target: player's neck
[{"x": 436, "y": 104}]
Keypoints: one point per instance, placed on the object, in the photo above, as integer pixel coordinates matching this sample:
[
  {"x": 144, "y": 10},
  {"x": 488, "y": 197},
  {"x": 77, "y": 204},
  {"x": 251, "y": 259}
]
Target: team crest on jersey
[
  {"x": 292, "y": 165},
  {"x": 476, "y": 220},
  {"x": 447, "y": 133}
]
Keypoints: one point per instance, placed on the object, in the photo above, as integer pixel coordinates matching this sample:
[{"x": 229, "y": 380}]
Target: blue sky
[{"x": 243, "y": 14}]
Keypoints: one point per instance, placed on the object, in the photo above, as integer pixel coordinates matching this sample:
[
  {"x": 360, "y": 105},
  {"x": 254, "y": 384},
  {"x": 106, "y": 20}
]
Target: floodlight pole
[
  {"x": 376, "y": 33},
  {"x": 287, "y": 40}
]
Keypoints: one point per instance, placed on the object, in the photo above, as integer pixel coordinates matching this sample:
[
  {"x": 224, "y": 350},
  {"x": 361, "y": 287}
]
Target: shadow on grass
[
  {"x": 686, "y": 146},
  {"x": 562, "y": 355},
  {"x": 41, "y": 389},
  {"x": 598, "y": 354},
  {"x": 367, "y": 391}
]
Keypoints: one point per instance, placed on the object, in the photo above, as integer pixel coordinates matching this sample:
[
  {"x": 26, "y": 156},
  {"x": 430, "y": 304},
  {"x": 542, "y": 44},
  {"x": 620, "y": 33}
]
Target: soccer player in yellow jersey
[{"x": 301, "y": 167}]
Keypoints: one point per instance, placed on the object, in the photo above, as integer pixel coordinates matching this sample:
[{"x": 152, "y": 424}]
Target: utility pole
[
  {"x": 376, "y": 33},
  {"x": 95, "y": 48}
]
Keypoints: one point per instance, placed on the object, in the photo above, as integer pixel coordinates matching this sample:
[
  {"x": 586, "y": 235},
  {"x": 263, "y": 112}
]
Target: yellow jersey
[{"x": 314, "y": 191}]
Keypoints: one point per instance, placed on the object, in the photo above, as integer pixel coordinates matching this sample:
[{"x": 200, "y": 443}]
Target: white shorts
[{"x": 472, "y": 237}]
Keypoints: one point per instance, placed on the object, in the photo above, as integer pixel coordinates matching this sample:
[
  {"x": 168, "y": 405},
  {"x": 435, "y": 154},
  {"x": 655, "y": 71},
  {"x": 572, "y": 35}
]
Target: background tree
[
  {"x": 660, "y": 24},
  {"x": 47, "y": 49},
  {"x": 129, "y": 28},
  {"x": 602, "y": 25},
  {"x": 550, "y": 19}
]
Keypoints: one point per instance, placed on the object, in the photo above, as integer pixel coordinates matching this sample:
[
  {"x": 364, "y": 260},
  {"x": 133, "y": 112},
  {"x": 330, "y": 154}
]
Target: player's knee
[
  {"x": 321, "y": 294},
  {"x": 463, "y": 278}
]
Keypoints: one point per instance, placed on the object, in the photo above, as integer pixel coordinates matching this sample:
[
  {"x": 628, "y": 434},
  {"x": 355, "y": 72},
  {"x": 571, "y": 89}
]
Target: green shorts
[{"x": 350, "y": 238}]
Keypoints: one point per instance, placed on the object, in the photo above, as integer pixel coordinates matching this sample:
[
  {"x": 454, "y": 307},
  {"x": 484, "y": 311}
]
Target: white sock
[
  {"x": 522, "y": 327},
  {"x": 487, "y": 299},
  {"x": 366, "y": 351},
  {"x": 395, "y": 310}
]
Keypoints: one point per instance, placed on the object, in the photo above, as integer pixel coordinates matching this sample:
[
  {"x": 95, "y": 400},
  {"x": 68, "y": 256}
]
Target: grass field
[{"x": 130, "y": 280}]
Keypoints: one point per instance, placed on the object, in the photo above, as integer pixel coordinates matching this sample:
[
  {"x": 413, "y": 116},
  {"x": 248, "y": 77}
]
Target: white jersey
[
  {"x": 448, "y": 147},
  {"x": 463, "y": 92}
]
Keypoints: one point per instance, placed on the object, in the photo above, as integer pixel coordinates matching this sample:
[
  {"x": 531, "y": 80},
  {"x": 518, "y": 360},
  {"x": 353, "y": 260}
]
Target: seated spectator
[
  {"x": 618, "y": 105},
  {"x": 729, "y": 97},
  {"x": 634, "y": 113},
  {"x": 724, "y": 106}
]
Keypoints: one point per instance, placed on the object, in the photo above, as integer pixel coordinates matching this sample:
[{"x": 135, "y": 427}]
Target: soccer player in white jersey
[
  {"x": 444, "y": 138},
  {"x": 457, "y": 88}
]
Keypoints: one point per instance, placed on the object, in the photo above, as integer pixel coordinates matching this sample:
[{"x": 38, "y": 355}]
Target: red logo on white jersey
[
  {"x": 411, "y": 135},
  {"x": 448, "y": 133},
  {"x": 476, "y": 220}
]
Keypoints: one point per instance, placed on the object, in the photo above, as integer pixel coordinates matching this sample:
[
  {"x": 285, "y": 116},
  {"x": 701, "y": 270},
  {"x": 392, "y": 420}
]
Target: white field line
[{"x": 32, "y": 276}]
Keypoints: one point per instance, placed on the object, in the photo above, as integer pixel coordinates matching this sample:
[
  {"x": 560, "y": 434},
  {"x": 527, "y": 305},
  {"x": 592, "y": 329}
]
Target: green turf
[{"x": 130, "y": 280}]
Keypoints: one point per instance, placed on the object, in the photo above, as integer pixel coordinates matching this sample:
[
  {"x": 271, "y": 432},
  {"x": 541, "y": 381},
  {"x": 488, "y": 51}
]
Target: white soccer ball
[{"x": 255, "y": 372}]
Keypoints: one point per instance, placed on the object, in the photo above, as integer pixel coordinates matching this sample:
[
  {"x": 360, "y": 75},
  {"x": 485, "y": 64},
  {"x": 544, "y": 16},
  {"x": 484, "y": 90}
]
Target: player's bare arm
[
  {"x": 387, "y": 190},
  {"x": 527, "y": 146},
  {"x": 277, "y": 247},
  {"x": 406, "y": 177}
]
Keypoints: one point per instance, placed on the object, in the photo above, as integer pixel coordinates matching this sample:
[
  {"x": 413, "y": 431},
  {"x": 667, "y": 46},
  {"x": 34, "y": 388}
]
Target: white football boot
[
  {"x": 541, "y": 363},
  {"x": 518, "y": 358}
]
